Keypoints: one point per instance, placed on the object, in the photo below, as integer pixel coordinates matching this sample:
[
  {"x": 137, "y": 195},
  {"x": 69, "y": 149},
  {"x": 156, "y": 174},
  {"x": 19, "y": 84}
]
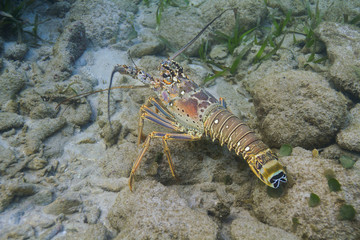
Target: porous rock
[
  {"x": 118, "y": 161},
  {"x": 16, "y": 51},
  {"x": 292, "y": 213},
  {"x": 59, "y": 9},
  {"x": 342, "y": 45},
  {"x": 183, "y": 28},
  {"x": 21, "y": 231},
  {"x": 249, "y": 228},
  {"x": 349, "y": 138},
  {"x": 67, "y": 204},
  {"x": 297, "y": 7},
  {"x": 68, "y": 48},
  {"x": 87, "y": 231},
  {"x": 41, "y": 130},
  {"x": 34, "y": 105},
  {"x": 11, "y": 82},
  {"x": 15, "y": 189},
  {"x": 101, "y": 18},
  {"x": 249, "y": 12},
  {"x": 10, "y": 120},
  {"x": 146, "y": 48},
  {"x": 298, "y": 108},
  {"x": 155, "y": 212},
  {"x": 111, "y": 132},
  {"x": 78, "y": 114},
  {"x": 7, "y": 158},
  {"x": 37, "y": 163}
]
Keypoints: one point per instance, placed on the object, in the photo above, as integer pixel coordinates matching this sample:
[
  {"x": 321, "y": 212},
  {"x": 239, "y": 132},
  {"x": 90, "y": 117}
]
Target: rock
[
  {"x": 110, "y": 184},
  {"x": 13, "y": 189},
  {"x": 68, "y": 48},
  {"x": 332, "y": 11},
  {"x": 71, "y": 43},
  {"x": 218, "y": 52},
  {"x": 35, "y": 105},
  {"x": 86, "y": 231},
  {"x": 250, "y": 14},
  {"x": 78, "y": 114},
  {"x": 11, "y": 106},
  {"x": 59, "y": 9},
  {"x": 342, "y": 45},
  {"x": 1, "y": 44},
  {"x": 349, "y": 137},
  {"x": 110, "y": 134},
  {"x": 16, "y": 51},
  {"x": 298, "y": 108},
  {"x": 125, "y": 154},
  {"x": 179, "y": 29},
  {"x": 51, "y": 232},
  {"x": 249, "y": 228},
  {"x": 7, "y": 158},
  {"x": 92, "y": 214},
  {"x": 146, "y": 48},
  {"x": 68, "y": 204},
  {"x": 43, "y": 197},
  {"x": 20, "y": 232},
  {"x": 10, "y": 120},
  {"x": 291, "y": 211},
  {"x": 11, "y": 82},
  {"x": 101, "y": 19},
  {"x": 37, "y": 163},
  {"x": 155, "y": 212},
  {"x": 41, "y": 130},
  {"x": 296, "y": 7}
]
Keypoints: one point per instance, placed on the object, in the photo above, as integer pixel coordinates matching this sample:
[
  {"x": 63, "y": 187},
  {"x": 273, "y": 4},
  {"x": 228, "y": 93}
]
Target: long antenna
[{"x": 198, "y": 35}]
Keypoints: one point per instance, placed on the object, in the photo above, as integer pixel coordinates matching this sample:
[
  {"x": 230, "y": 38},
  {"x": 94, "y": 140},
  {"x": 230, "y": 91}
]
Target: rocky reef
[{"x": 64, "y": 172}]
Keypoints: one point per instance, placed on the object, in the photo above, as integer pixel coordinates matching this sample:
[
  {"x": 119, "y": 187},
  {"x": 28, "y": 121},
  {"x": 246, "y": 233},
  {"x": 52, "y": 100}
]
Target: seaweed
[
  {"x": 147, "y": 2},
  {"x": 311, "y": 40},
  {"x": 11, "y": 22},
  {"x": 334, "y": 185},
  {"x": 163, "y": 4},
  {"x": 314, "y": 200},
  {"x": 10, "y": 17},
  {"x": 232, "y": 69},
  {"x": 285, "y": 150},
  {"x": 278, "y": 28},
  {"x": 235, "y": 39},
  {"x": 347, "y": 212},
  {"x": 203, "y": 50},
  {"x": 355, "y": 21},
  {"x": 346, "y": 161},
  {"x": 237, "y": 36}
]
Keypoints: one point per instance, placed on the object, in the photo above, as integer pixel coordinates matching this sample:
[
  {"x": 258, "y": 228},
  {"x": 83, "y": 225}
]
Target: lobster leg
[
  {"x": 165, "y": 137},
  {"x": 147, "y": 113},
  {"x": 222, "y": 102}
]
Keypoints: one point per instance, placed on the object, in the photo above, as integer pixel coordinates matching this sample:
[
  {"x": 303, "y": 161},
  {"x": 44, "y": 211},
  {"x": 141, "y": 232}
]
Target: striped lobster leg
[
  {"x": 228, "y": 129},
  {"x": 165, "y": 137},
  {"x": 149, "y": 114}
]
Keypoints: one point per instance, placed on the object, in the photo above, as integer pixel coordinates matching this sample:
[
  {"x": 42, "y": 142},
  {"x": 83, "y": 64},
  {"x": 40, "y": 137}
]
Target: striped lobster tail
[{"x": 229, "y": 129}]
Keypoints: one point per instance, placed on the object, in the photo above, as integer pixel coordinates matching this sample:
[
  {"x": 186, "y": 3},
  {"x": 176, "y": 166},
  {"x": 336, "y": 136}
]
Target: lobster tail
[{"x": 229, "y": 129}]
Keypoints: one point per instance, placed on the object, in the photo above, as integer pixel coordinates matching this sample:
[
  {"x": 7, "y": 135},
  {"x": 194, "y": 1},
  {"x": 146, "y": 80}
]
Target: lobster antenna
[
  {"x": 116, "y": 69},
  {"x": 132, "y": 60},
  {"x": 198, "y": 35}
]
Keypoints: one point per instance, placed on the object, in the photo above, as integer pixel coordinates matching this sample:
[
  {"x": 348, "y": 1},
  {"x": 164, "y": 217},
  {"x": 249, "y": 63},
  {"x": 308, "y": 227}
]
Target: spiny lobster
[{"x": 192, "y": 112}]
